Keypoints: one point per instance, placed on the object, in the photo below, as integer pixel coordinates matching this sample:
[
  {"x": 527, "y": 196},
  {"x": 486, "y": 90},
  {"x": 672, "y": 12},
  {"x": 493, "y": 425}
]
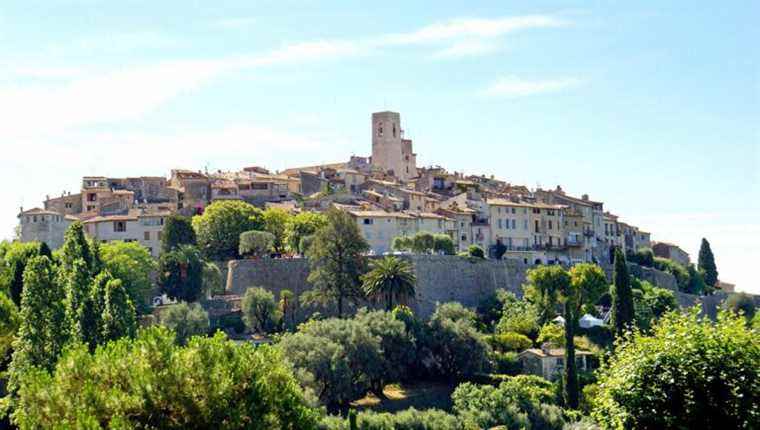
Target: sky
[{"x": 651, "y": 107}]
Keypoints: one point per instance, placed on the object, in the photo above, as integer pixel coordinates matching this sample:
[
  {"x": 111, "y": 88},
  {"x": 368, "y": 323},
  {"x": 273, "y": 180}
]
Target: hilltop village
[{"x": 387, "y": 194}]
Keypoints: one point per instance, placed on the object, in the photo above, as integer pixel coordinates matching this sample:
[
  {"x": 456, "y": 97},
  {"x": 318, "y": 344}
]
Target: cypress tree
[
  {"x": 75, "y": 246},
  {"x": 622, "y": 297},
  {"x": 119, "y": 318},
  {"x": 706, "y": 263},
  {"x": 78, "y": 288},
  {"x": 570, "y": 387},
  {"x": 17, "y": 281},
  {"x": 45, "y": 250},
  {"x": 40, "y": 339}
]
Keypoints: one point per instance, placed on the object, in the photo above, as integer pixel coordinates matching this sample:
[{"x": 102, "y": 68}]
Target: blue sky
[{"x": 651, "y": 107}]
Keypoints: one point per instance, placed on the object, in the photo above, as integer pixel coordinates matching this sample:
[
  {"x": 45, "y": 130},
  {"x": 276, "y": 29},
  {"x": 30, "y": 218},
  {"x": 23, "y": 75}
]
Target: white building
[
  {"x": 145, "y": 228},
  {"x": 39, "y": 225}
]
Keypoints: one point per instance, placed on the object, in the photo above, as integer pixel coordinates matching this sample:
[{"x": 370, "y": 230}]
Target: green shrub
[
  {"x": 150, "y": 382},
  {"x": 476, "y": 251},
  {"x": 256, "y": 243},
  {"x": 507, "y": 363},
  {"x": 510, "y": 341},
  {"x": 409, "y": 419}
]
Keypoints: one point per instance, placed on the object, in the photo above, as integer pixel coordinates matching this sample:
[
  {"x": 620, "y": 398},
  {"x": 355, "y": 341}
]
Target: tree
[
  {"x": 40, "y": 337},
  {"x": 78, "y": 307},
  {"x": 133, "y": 265},
  {"x": 423, "y": 242},
  {"x": 522, "y": 401},
  {"x": 389, "y": 278},
  {"x": 401, "y": 243},
  {"x": 75, "y": 246},
  {"x": 545, "y": 284},
  {"x": 476, "y": 252},
  {"x": 180, "y": 273},
  {"x": 337, "y": 359},
  {"x": 259, "y": 310},
  {"x": 275, "y": 222},
  {"x": 9, "y": 323},
  {"x": 15, "y": 256},
  {"x": 587, "y": 283},
  {"x": 337, "y": 259},
  {"x": 518, "y": 316},
  {"x": 150, "y": 382},
  {"x": 287, "y": 307},
  {"x": 218, "y": 229},
  {"x": 256, "y": 243},
  {"x": 185, "y": 320},
  {"x": 397, "y": 347},
  {"x": 690, "y": 372},
  {"x": 443, "y": 244},
  {"x": 119, "y": 317},
  {"x": 696, "y": 281},
  {"x": 178, "y": 230},
  {"x": 213, "y": 284},
  {"x": 458, "y": 348},
  {"x": 301, "y": 226},
  {"x": 741, "y": 303},
  {"x": 706, "y": 263},
  {"x": 623, "y": 314}
]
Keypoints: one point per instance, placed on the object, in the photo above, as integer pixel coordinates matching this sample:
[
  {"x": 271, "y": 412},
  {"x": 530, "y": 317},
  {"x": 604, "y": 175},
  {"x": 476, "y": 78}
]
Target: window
[
  {"x": 394, "y": 129},
  {"x": 499, "y": 222},
  {"x": 498, "y": 210},
  {"x": 380, "y": 129},
  {"x": 537, "y": 229},
  {"x": 536, "y": 210},
  {"x": 119, "y": 226},
  {"x": 464, "y": 238},
  {"x": 525, "y": 224},
  {"x": 550, "y": 224},
  {"x": 150, "y": 250},
  {"x": 514, "y": 210},
  {"x": 91, "y": 197},
  {"x": 368, "y": 221},
  {"x": 146, "y": 235},
  {"x": 514, "y": 224},
  {"x": 67, "y": 205},
  {"x": 34, "y": 218}
]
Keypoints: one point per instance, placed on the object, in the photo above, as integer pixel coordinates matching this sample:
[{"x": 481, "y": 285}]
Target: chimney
[{"x": 585, "y": 197}]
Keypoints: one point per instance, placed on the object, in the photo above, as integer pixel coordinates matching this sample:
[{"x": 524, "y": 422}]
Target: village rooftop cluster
[{"x": 386, "y": 193}]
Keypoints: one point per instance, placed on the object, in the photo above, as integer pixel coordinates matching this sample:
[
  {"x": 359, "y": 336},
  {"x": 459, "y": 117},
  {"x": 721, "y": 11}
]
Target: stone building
[
  {"x": 193, "y": 191},
  {"x": 66, "y": 204},
  {"x": 671, "y": 252},
  {"x": 390, "y": 151},
  {"x": 42, "y": 225}
]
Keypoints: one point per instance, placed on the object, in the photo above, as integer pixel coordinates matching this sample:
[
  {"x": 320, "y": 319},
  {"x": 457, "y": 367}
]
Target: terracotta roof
[
  {"x": 378, "y": 214},
  {"x": 38, "y": 211}
]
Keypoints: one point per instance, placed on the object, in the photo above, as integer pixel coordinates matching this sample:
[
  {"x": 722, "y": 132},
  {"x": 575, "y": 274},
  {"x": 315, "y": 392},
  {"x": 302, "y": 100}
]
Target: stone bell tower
[{"x": 390, "y": 151}]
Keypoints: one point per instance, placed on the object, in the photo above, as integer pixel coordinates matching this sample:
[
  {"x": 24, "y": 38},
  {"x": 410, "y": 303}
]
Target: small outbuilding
[{"x": 549, "y": 362}]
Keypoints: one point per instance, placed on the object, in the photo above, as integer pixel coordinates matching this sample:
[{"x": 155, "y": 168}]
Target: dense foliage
[
  {"x": 259, "y": 310},
  {"x": 218, "y": 229},
  {"x": 180, "y": 273},
  {"x": 178, "y": 230},
  {"x": 275, "y": 222},
  {"x": 150, "y": 382},
  {"x": 409, "y": 419},
  {"x": 185, "y": 320},
  {"x": 690, "y": 373},
  {"x": 256, "y": 243},
  {"x": 301, "y": 226},
  {"x": 522, "y": 401},
  {"x": 133, "y": 265}
]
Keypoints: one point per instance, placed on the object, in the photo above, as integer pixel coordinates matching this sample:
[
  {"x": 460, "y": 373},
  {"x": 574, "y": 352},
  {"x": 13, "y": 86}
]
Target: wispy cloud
[
  {"x": 513, "y": 86},
  {"x": 77, "y": 99},
  {"x": 466, "y": 48},
  {"x": 473, "y": 27}
]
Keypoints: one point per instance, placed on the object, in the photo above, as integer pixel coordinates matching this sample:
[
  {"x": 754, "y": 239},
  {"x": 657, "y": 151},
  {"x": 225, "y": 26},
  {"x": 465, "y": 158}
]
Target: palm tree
[{"x": 390, "y": 277}]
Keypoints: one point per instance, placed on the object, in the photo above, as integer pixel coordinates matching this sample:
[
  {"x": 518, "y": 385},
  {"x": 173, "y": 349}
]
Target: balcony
[
  {"x": 588, "y": 233},
  {"x": 574, "y": 241}
]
